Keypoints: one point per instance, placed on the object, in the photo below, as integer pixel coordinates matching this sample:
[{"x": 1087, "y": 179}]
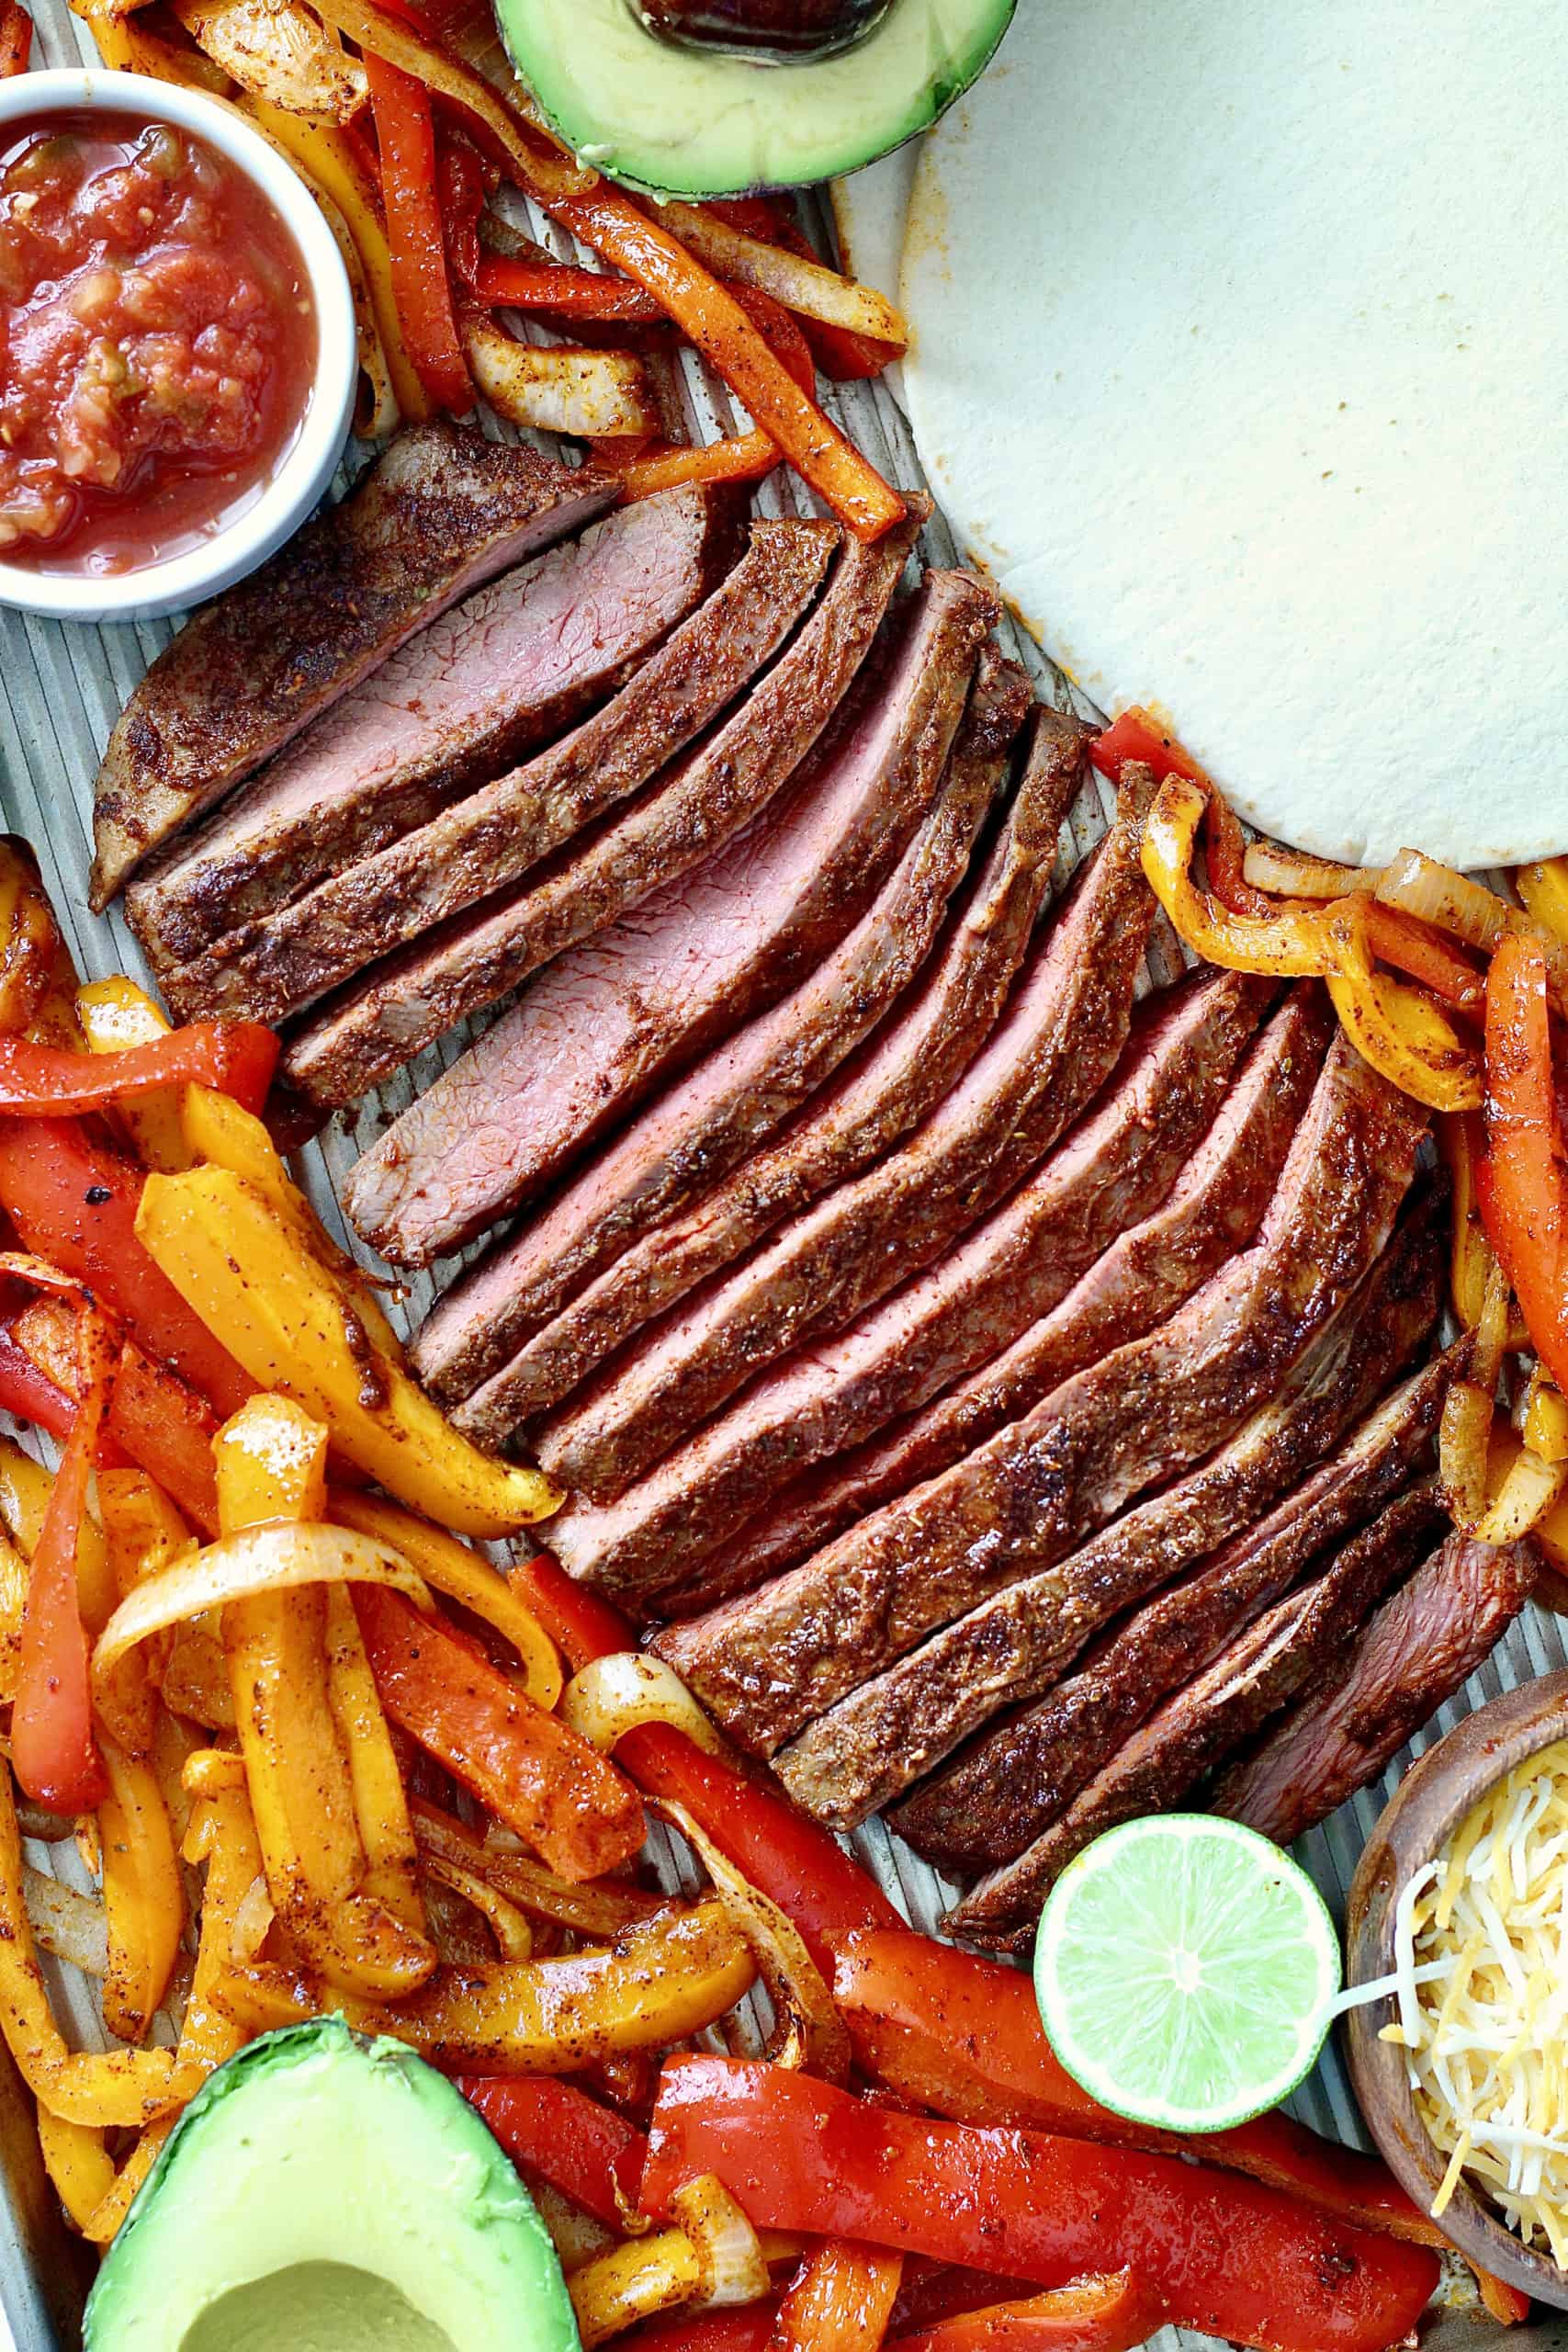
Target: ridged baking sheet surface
[{"x": 61, "y": 689}]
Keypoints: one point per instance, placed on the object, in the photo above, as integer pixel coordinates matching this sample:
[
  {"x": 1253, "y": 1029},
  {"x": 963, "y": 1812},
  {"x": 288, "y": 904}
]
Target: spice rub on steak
[
  {"x": 1058, "y": 1039},
  {"x": 488, "y": 840},
  {"x": 954, "y": 1313},
  {"x": 1009, "y": 1785},
  {"x": 767, "y": 1664},
  {"x": 595, "y": 1031},
  {"x": 882, "y": 1093},
  {"x": 441, "y": 513},
  {"x": 508, "y": 668},
  {"x": 747, "y": 1087},
  {"x": 1214, "y": 1209},
  {"x": 371, "y": 1027}
]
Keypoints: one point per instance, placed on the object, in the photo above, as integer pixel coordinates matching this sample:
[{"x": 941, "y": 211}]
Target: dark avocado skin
[{"x": 793, "y": 31}]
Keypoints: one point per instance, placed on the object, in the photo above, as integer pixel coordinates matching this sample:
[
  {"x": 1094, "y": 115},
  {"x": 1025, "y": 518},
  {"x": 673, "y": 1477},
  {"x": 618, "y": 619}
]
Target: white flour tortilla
[{"x": 1241, "y": 357}]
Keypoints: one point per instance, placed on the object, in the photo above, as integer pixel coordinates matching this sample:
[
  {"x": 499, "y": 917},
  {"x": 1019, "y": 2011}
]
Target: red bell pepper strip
[
  {"x": 778, "y": 1848},
  {"x": 405, "y": 130},
  {"x": 1521, "y": 1184},
  {"x": 745, "y": 2330},
  {"x": 504, "y": 284},
  {"x": 1225, "y": 2255},
  {"x": 840, "y": 2300},
  {"x": 532, "y": 1771},
  {"x": 53, "y": 1752},
  {"x": 235, "y": 1057},
  {"x": 1094, "y": 2315},
  {"x": 463, "y": 193},
  {"x": 1137, "y": 739},
  {"x": 28, "y": 1394},
  {"x": 962, "y": 2035},
  {"x": 168, "y": 1432},
  {"x": 588, "y": 2152}
]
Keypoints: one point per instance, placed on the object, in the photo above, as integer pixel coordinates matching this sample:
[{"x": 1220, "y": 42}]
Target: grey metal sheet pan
[{"x": 60, "y": 690}]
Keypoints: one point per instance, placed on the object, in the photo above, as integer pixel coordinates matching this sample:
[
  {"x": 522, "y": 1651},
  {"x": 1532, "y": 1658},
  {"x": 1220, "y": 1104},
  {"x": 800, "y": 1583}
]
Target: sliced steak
[
  {"x": 957, "y": 1312},
  {"x": 1015, "y": 1508},
  {"x": 277, "y": 966},
  {"x": 1416, "y": 1653},
  {"x": 440, "y": 514},
  {"x": 883, "y": 1091},
  {"x": 1060, "y": 1037},
  {"x": 1008, "y": 1786},
  {"x": 1214, "y": 1210},
  {"x": 1252, "y": 1680},
  {"x": 508, "y": 668},
  {"x": 594, "y": 1033},
  {"x": 354, "y": 1038},
  {"x": 745, "y": 1089}
]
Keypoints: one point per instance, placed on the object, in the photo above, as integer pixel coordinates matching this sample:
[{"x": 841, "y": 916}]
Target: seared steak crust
[{"x": 441, "y": 513}]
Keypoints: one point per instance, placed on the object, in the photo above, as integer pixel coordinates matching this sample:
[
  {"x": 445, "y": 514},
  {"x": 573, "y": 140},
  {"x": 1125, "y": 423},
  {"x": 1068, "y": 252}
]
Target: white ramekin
[{"x": 311, "y": 461}]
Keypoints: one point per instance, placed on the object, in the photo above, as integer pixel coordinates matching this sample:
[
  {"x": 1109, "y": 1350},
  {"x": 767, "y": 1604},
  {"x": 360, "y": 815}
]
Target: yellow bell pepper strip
[
  {"x": 13, "y": 1578},
  {"x": 1397, "y": 1029},
  {"x": 114, "y": 1015},
  {"x": 1523, "y": 1180},
  {"x": 218, "y": 1129},
  {"x": 25, "y": 1489},
  {"x": 222, "y": 1835},
  {"x": 463, "y": 1577},
  {"x": 1462, "y": 1145},
  {"x": 531, "y": 1771},
  {"x": 112, "y": 2088},
  {"x": 38, "y": 980},
  {"x": 1546, "y": 1418},
  {"x": 660, "y": 1982},
  {"x": 272, "y": 1461},
  {"x": 53, "y": 1752},
  {"x": 78, "y": 2164},
  {"x": 380, "y": 1801},
  {"x": 143, "y": 1895},
  {"x": 295, "y": 1326},
  {"x": 634, "y": 2281},
  {"x": 105, "y": 2220},
  {"x": 1544, "y": 889},
  {"x": 840, "y": 2299}
]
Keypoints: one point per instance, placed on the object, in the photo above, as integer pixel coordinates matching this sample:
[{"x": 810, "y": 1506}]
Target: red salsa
[{"x": 157, "y": 342}]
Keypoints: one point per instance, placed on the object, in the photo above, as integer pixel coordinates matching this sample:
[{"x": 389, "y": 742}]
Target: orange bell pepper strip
[
  {"x": 1093, "y": 2315},
  {"x": 28, "y": 1394},
  {"x": 405, "y": 130},
  {"x": 53, "y": 1752},
  {"x": 237, "y": 1057},
  {"x": 535, "y": 1774},
  {"x": 73, "y": 1201},
  {"x": 962, "y": 2035},
  {"x": 1424, "y": 955},
  {"x": 1227, "y": 2256},
  {"x": 502, "y": 284},
  {"x": 777, "y": 1847},
  {"x": 840, "y": 2299},
  {"x": 166, "y": 1429},
  {"x": 1522, "y": 1183},
  {"x": 143, "y": 1895},
  {"x": 15, "y": 38},
  {"x": 587, "y": 2151},
  {"x": 716, "y": 323}
]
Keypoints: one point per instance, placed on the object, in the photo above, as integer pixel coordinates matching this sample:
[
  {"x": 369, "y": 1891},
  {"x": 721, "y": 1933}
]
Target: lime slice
[{"x": 1185, "y": 1970}]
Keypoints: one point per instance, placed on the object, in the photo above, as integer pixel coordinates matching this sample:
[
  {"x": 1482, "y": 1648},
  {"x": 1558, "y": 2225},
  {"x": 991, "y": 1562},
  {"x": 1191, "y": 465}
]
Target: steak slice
[
  {"x": 493, "y": 836},
  {"x": 440, "y": 514},
  {"x": 354, "y": 1038},
  {"x": 508, "y": 668},
  {"x": 1416, "y": 1653},
  {"x": 1214, "y": 1209},
  {"x": 882, "y": 1092},
  {"x": 1257, "y": 1675},
  {"x": 747, "y": 1087},
  {"x": 1059, "y": 1038},
  {"x": 1014, "y": 1510},
  {"x": 1008, "y": 1787},
  {"x": 592, "y": 1033},
  {"x": 956, "y": 1313}
]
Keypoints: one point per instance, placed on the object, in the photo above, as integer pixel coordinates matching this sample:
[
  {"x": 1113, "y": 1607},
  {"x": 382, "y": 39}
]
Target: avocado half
[
  {"x": 326, "y": 2191},
  {"x": 682, "y": 121}
]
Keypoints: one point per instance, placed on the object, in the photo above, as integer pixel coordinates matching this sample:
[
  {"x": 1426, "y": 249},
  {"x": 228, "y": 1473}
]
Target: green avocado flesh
[
  {"x": 679, "y": 122},
  {"x": 324, "y": 2194}
]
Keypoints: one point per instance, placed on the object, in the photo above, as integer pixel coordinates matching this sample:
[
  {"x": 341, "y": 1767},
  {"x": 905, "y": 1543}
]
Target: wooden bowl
[{"x": 1427, "y": 1807}]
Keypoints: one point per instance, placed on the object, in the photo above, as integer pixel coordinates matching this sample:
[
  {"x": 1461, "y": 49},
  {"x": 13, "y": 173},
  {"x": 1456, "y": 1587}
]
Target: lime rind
[{"x": 1185, "y": 1971}]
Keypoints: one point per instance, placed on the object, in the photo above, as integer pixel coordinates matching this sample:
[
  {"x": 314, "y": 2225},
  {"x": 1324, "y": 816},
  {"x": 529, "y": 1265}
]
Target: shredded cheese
[{"x": 1480, "y": 1978}]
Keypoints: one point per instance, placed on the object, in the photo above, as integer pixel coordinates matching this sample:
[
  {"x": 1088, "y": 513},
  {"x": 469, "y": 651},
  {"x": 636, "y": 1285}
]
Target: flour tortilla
[{"x": 1241, "y": 358}]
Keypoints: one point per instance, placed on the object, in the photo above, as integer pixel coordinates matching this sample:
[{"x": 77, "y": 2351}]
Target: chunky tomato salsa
[{"x": 157, "y": 341}]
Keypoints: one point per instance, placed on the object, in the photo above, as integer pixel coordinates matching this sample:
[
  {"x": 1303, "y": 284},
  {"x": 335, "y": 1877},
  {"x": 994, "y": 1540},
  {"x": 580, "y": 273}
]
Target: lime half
[{"x": 1186, "y": 1970}]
